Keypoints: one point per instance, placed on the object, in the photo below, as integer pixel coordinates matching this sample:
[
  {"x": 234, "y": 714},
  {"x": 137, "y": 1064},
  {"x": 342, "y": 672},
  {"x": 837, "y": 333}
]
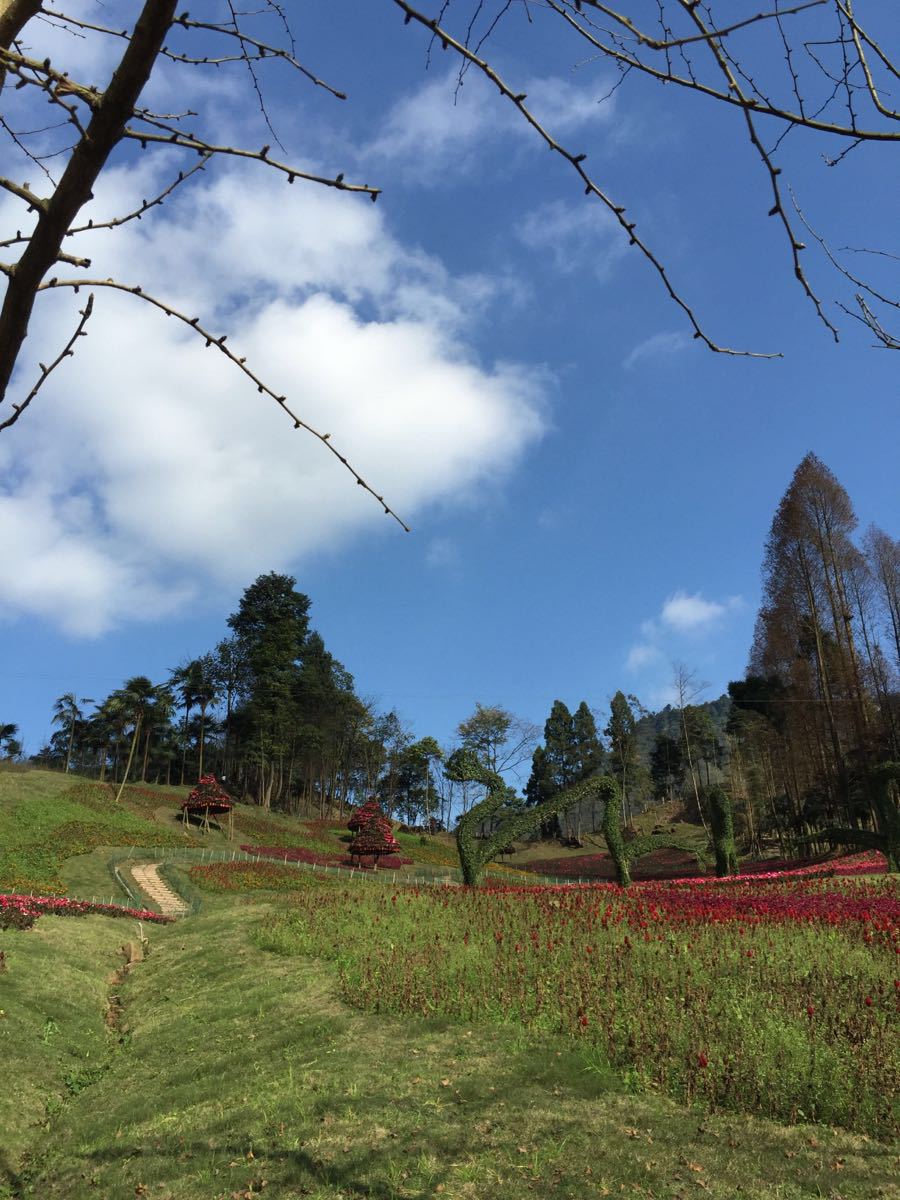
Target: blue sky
[{"x": 589, "y": 489}]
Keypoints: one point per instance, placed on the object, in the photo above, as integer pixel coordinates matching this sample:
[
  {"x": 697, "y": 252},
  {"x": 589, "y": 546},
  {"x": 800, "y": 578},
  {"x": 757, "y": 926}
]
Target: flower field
[
  {"x": 777, "y": 996},
  {"x": 672, "y": 864},
  {"x": 250, "y": 877},
  {"x": 303, "y": 854},
  {"x": 21, "y": 912}
]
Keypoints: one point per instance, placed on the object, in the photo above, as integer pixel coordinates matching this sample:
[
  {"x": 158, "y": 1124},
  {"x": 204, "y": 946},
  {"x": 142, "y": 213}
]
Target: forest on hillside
[{"x": 803, "y": 745}]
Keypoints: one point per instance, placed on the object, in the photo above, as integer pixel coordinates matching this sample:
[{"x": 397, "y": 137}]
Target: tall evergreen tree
[
  {"x": 622, "y": 746},
  {"x": 271, "y": 625},
  {"x": 667, "y": 766},
  {"x": 570, "y": 753},
  {"x": 587, "y": 750}
]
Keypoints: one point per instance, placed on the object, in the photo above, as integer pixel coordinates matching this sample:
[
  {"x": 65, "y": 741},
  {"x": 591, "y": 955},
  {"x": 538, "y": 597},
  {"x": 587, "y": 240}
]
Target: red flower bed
[
  {"x": 21, "y": 912},
  {"x": 650, "y": 905},
  {"x": 868, "y": 862},
  {"x": 387, "y": 862},
  {"x": 319, "y": 859},
  {"x": 676, "y": 866},
  {"x": 296, "y": 854},
  {"x": 661, "y": 864}
]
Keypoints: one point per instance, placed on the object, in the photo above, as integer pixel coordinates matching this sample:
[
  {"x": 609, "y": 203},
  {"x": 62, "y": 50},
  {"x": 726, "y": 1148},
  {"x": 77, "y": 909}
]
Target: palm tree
[
  {"x": 67, "y": 714},
  {"x": 156, "y": 719},
  {"x": 8, "y": 735},
  {"x": 184, "y": 681},
  {"x": 206, "y": 692},
  {"x": 13, "y": 749},
  {"x": 196, "y": 683},
  {"x": 136, "y": 697}
]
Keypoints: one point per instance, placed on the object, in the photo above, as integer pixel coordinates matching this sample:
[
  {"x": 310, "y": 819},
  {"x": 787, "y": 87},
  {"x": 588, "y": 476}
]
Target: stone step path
[{"x": 147, "y": 877}]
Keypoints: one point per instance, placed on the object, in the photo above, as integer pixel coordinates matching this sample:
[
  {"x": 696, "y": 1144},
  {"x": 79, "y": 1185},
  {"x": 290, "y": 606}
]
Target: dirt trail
[{"x": 147, "y": 877}]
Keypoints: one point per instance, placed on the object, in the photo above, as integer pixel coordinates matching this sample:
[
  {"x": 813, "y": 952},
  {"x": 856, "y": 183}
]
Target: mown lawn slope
[{"x": 232, "y": 1071}]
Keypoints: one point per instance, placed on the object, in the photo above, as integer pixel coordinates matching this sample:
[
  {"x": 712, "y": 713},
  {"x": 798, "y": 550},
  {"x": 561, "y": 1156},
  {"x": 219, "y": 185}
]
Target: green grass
[
  {"x": 241, "y": 1067},
  {"x": 233, "y": 1069},
  {"x": 46, "y": 819},
  {"x": 53, "y": 997}
]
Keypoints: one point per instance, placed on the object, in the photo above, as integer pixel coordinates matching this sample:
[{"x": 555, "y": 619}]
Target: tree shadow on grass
[{"x": 518, "y": 1137}]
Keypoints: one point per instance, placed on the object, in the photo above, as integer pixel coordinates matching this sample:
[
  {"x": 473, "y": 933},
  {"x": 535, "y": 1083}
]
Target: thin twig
[
  {"x": 241, "y": 364},
  {"x": 187, "y": 141},
  {"x": 774, "y": 172},
  {"x": 576, "y": 161},
  {"x": 66, "y": 352}
]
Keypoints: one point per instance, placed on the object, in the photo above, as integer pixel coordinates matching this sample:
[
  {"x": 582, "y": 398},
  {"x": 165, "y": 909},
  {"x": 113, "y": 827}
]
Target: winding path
[{"x": 148, "y": 879}]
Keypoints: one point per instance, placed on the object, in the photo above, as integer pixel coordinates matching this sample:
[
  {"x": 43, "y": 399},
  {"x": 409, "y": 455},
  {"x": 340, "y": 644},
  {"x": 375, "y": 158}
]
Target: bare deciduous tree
[
  {"x": 812, "y": 67},
  {"x": 815, "y": 68}
]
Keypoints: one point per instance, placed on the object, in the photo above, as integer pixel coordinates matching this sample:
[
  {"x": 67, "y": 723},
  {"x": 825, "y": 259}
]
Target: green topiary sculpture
[
  {"x": 722, "y": 827},
  {"x": 475, "y": 853},
  {"x": 612, "y": 828},
  {"x": 624, "y": 853},
  {"x": 885, "y": 837}
]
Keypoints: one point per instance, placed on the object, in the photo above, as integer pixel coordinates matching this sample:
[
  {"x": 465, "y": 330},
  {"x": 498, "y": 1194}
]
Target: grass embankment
[
  {"x": 58, "y": 833},
  {"x": 53, "y": 1039},
  {"x": 241, "y": 1071}
]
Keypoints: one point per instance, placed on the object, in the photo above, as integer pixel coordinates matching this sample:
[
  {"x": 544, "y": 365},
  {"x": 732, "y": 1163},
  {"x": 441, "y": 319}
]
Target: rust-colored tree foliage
[{"x": 818, "y": 715}]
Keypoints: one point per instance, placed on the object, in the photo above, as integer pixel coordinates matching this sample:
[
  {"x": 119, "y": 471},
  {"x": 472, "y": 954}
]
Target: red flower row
[{"x": 21, "y": 912}]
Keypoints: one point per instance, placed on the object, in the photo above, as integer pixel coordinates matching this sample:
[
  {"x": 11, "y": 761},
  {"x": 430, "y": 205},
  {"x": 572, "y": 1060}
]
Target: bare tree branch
[
  {"x": 67, "y": 351},
  {"x": 75, "y": 187},
  {"x": 576, "y": 161},
  {"x": 189, "y": 142},
  {"x": 241, "y": 363}
]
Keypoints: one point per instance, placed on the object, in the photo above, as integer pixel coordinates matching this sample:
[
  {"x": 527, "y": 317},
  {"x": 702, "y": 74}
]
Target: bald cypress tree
[{"x": 817, "y": 672}]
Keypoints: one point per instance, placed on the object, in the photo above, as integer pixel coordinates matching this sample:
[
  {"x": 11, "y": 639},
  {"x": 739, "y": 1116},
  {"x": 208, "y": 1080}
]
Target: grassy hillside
[
  {"x": 58, "y": 833},
  {"x": 229, "y": 1071},
  {"x": 229, "y": 1062},
  {"x": 46, "y": 818}
]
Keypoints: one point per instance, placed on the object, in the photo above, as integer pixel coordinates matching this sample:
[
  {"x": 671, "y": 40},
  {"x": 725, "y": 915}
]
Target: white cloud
[
  {"x": 438, "y": 127},
  {"x": 693, "y": 614},
  {"x": 641, "y": 655},
  {"x": 682, "y": 616},
  {"x": 574, "y": 235},
  {"x": 149, "y": 470},
  {"x": 657, "y": 346}
]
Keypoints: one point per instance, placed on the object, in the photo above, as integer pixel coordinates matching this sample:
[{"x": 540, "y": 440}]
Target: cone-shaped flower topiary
[
  {"x": 374, "y": 839},
  {"x": 360, "y": 817},
  {"x": 208, "y": 793}
]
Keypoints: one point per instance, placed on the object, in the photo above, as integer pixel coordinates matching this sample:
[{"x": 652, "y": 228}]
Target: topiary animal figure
[
  {"x": 624, "y": 853},
  {"x": 721, "y": 823},
  {"x": 885, "y": 781},
  {"x": 475, "y": 853}
]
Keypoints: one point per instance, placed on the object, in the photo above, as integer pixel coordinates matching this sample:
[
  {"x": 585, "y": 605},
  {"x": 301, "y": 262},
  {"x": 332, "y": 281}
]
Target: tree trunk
[
  {"x": 202, "y": 737},
  {"x": 134, "y": 738}
]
